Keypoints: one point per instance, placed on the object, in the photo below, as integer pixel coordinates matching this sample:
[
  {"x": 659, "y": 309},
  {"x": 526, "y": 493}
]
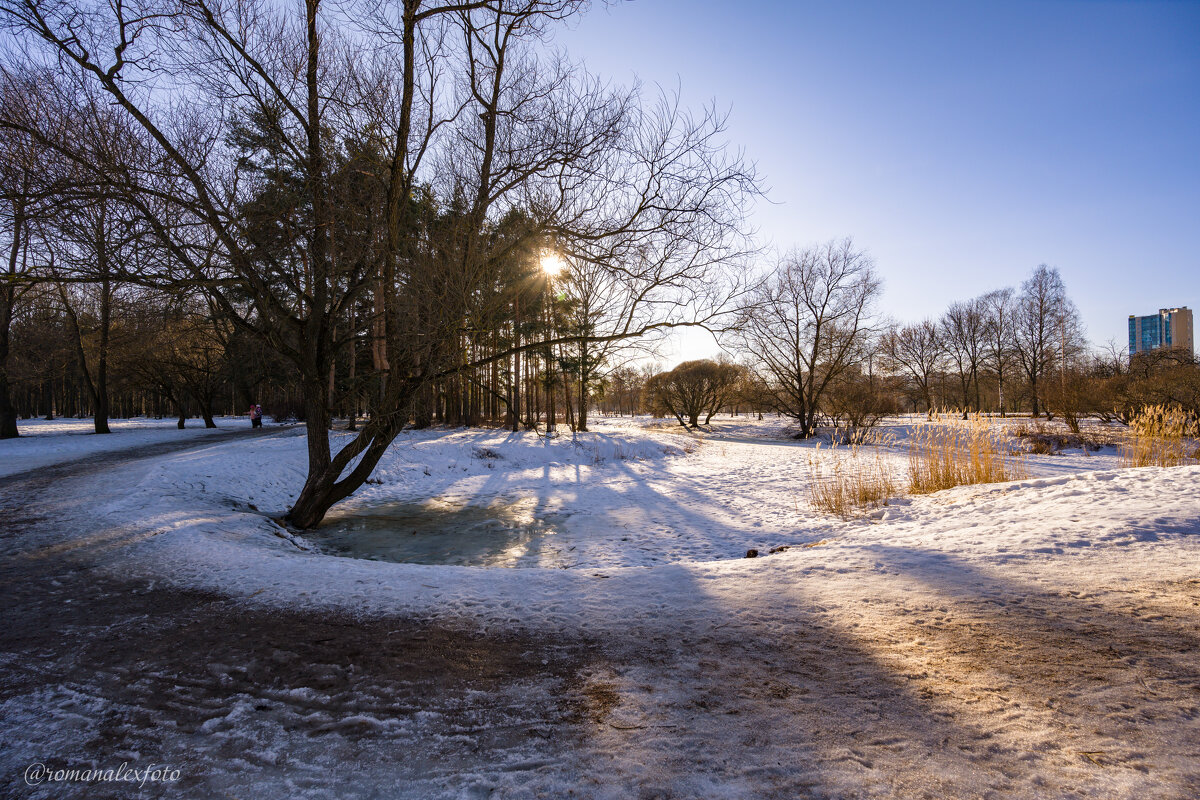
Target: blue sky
[{"x": 961, "y": 143}]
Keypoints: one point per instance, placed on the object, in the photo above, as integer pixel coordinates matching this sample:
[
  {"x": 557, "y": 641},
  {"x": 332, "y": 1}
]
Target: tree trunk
[
  {"x": 326, "y": 485},
  {"x": 8, "y": 296},
  {"x": 314, "y": 499},
  {"x": 8, "y": 414},
  {"x": 584, "y": 376},
  {"x": 515, "y": 408},
  {"x": 48, "y": 398},
  {"x": 1000, "y": 390},
  {"x": 100, "y": 394}
]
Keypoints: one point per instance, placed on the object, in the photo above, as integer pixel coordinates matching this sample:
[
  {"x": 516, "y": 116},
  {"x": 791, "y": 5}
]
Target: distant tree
[
  {"x": 916, "y": 352},
  {"x": 1047, "y": 331},
  {"x": 623, "y": 390},
  {"x": 808, "y": 324},
  {"x": 964, "y": 335},
  {"x": 1168, "y": 377},
  {"x": 999, "y": 350},
  {"x": 694, "y": 389},
  {"x": 1074, "y": 396},
  {"x": 857, "y": 402}
]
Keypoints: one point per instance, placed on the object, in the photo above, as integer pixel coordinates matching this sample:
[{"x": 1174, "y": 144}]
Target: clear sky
[{"x": 961, "y": 143}]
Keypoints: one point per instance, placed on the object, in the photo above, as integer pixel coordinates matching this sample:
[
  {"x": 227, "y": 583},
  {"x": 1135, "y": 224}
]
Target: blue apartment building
[{"x": 1170, "y": 328}]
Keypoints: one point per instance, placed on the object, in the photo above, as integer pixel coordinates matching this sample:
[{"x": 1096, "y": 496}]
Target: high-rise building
[{"x": 1168, "y": 329}]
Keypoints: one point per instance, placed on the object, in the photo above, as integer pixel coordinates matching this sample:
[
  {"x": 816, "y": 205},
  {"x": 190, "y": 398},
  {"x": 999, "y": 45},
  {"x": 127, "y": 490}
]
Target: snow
[
  {"x": 43, "y": 443},
  {"x": 661, "y": 515},
  {"x": 1033, "y": 638}
]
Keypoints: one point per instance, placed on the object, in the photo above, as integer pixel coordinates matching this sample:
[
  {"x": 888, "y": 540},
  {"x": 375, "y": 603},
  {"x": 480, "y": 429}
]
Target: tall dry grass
[
  {"x": 951, "y": 451},
  {"x": 1160, "y": 436},
  {"x": 847, "y": 480}
]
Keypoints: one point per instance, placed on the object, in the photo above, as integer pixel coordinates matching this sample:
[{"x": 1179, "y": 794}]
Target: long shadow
[
  {"x": 717, "y": 703},
  {"x": 679, "y": 691},
  {"x": 253, "y": 702},
  {"x": 244, "y": 699},
  {"x": 264, "y": 703},
  {"x": 1021, "y": 609},
  {"x": 591, "y": 495}
]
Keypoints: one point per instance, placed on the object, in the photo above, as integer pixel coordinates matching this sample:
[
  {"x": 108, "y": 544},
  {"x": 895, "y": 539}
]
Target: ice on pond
[{"x": 516, "y": 534}]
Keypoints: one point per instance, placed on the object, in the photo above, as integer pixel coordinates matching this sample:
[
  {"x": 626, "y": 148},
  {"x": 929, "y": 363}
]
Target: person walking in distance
[{"x": 256, "y": 416}]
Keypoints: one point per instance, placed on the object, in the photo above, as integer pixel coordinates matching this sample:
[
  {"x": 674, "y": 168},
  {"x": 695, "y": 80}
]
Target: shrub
[{"x": 856, "y": 403}]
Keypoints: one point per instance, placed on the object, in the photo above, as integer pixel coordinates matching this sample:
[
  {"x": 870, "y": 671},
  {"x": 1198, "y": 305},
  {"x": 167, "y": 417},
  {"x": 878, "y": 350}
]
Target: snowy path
[
  {"x": 1036, "y": 639},
  {"x": 45, "y": 443}
]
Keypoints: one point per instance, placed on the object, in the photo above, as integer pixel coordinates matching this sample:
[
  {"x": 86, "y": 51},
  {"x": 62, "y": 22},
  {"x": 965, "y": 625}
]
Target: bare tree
[
  {"x": 695, "y": 388},
  {"x": 857, "y": 402},
  {"x": 1047, "y": 330},
  {"x": 808, "y": 323},
  {"x": 17, "y": 203},
  {"x": 999, "y": 310},
  {"x": 87, "y": 242},
  {"x": 27, "y": 180},
  {"x": 917, "y": 352},
  {"x": 963, "y": 329}
]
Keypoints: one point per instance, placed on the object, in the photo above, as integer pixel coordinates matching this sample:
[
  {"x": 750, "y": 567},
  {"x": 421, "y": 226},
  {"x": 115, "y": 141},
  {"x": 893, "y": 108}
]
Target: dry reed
[
  {"x": 845, "y": 480},
  {"x": 951, "y": 451},
  {"x": 1160, "y": 436}
]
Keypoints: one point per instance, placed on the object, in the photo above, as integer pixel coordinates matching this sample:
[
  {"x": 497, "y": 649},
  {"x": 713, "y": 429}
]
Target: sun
[{"x": 551, "y": 263}]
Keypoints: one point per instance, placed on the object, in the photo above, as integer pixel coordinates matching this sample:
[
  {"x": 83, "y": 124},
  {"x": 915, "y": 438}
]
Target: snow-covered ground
[
  {"x": 45, "y": 442},
  {"x": 1037, "y": 638}
]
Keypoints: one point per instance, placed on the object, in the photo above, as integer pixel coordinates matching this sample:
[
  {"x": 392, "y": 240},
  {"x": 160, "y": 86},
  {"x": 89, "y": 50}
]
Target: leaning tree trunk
[
  {"x": 97, "y": 384},
  {"x": 314, "y": 499},
  {"x": 326, "y": 485}
]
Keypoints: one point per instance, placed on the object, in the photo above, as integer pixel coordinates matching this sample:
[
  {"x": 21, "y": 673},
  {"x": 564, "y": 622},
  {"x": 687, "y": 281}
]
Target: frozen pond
[{"x": 516, "y": 534}]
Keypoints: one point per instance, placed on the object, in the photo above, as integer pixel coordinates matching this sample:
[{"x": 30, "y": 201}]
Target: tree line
[{"x": 813, "y": 347}]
